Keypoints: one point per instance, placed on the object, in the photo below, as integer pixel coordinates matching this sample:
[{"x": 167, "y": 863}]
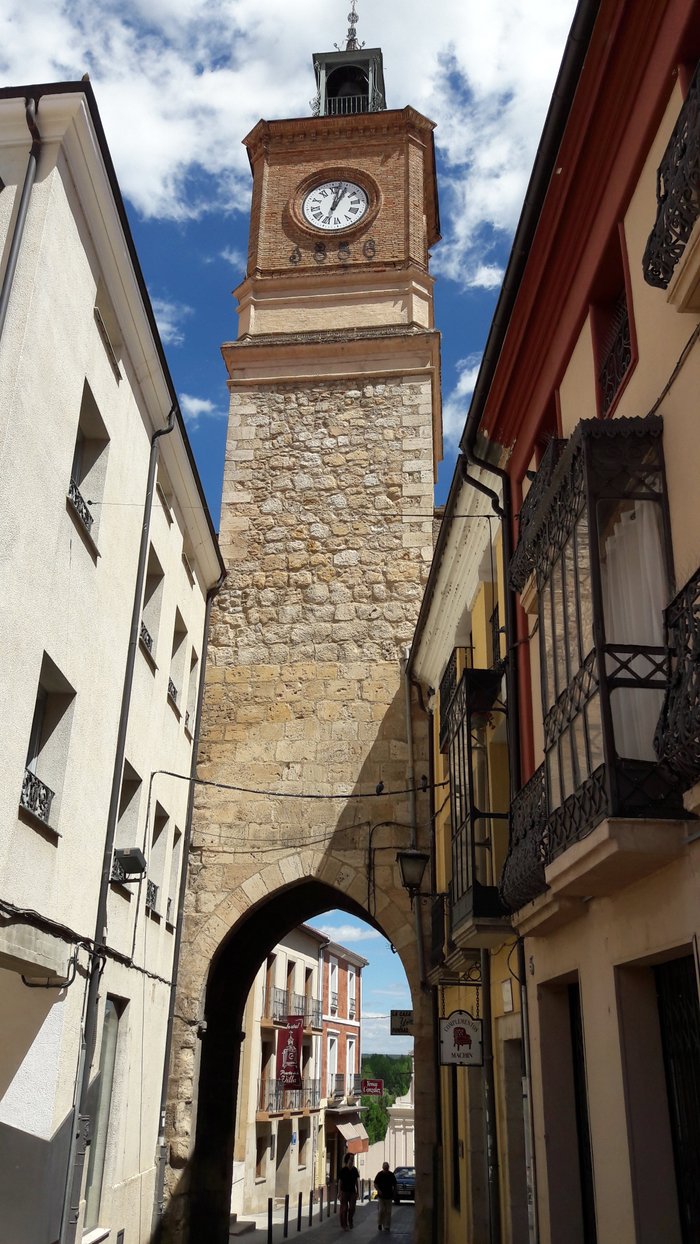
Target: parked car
[{"x": 405, "y": 1183}]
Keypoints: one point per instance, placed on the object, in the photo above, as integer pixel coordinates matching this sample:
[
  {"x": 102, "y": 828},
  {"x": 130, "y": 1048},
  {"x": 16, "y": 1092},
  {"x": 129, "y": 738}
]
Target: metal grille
[
  {"x": 677, "y": 200},
  {"x": 617, "y": 355},
  {"x": 523, "y": 872},
  {"x": 448, "y": 686},
  {"x": 151, "y": 896},
  {"x": 172, "y": 691},
  {"x": 80, "y": 505},
  {"x": 146, "y": 638},
  {"x": 679, "y": 1018},
  {"x": 346, "y": 105},
  {"x": 678, "y": 734},
  {"x": 36, "y": 796}
]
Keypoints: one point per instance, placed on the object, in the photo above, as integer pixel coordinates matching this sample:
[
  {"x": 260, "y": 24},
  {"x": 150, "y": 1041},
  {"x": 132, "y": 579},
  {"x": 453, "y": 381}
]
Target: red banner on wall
[{"x": 289, "y": 1045}]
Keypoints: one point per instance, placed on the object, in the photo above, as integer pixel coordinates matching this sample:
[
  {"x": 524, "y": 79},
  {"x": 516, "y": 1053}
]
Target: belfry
[{"x": 311, "y": 736}]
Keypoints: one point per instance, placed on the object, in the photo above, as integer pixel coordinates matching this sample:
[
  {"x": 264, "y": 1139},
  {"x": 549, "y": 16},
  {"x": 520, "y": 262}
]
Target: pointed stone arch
[{"x": 218, "y": 968}]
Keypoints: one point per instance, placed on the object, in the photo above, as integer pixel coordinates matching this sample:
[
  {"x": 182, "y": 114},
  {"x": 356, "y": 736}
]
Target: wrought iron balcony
[
  {"x": 313, "y": 1013},
  {"x": 522, "y": 563},
  {"x": 118, "y": 873},
  {"x": 151, "y": 896},
  {"x": 172, "y": 691},
  {"x": 448, "y": 686},
  {"x": 296, "y": 1004},
  {"x": 677, "y": 193},
  {"x": 334, "y": 1001},
  {"x": 598, "y": 546},
  {"x": 169, "y": 911},
  {"x": 187, "y": 719},
  {"x": 276, "y": 1004},
  {"x": 336, "y": 1087},
  {"x": 36, "y": 796},
  {"x": 146, "y": 638},
  {"x": 678, "y": 734},
  {"x": 523, "y": 872},
  {"x": 351, "y": 1009},
  {"x": 311, "y": 1094},
  {"x": 617, "y": 355},
  {"x": 80, "y": 506},
  {"x": 476, "y": 910}
]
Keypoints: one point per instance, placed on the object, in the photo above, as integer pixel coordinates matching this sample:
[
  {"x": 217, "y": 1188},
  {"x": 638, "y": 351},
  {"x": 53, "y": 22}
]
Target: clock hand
[{"x": 339, "y": 192}]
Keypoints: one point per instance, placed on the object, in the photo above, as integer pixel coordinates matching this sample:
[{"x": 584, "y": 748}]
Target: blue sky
[{"x": 179, "y": 83}]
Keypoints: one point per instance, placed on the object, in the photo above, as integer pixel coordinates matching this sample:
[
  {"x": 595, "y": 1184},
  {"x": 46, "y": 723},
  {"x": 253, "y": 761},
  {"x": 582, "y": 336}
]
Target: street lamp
[{"x": 412, "y": 865}]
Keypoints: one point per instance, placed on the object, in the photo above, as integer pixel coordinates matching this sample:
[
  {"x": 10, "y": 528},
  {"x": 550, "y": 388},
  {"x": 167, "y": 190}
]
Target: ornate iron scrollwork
[
  {"x": 146, "y": 638},
  {"x": 172, "y": 691},
  {"x": 80, "y": 506},
  {"x": 522, "y": 563},
  {"x": 36, "y": 796},
  {"x": 151, "y": 896},
  {"x": 618, "y": 356},
  {"x": 677, "y": 194},
  {"x": 523, "y": 872},
  {"x": 677, "y": 739}
]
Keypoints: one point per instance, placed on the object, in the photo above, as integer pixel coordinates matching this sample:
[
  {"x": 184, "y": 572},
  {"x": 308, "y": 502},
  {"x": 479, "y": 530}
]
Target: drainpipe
[
  {"x": 412, "y": 814},
  {"x": 75, "y": 1169},
  {"x": 161, "y": 1148},
  {"x": 29, "y": 179}
]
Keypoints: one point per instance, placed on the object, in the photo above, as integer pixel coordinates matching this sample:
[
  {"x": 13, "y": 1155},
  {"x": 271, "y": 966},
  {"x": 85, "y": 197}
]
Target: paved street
[{"x": 365, "y": 1227}]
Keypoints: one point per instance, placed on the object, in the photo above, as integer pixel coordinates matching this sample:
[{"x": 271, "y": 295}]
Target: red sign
[
  {"x": 372, "y": 1088},
  {"x": 289, "y": 1045}
]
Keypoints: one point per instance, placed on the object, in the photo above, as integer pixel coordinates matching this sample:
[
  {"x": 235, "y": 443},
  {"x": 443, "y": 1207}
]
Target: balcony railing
[
  {"x": 275, "y": 1006},
  {"x": 172, "y": 691},
  {"x": 448, "y": 686},
  {"x": 617, "y": 355},
  {"x": 677, "y": 739},
  {"x": 334, "y": 1001},
  {"x": 151, "y": 896},
  {"x": 36, "y": 796},
  {"x": 523, "y": 563},
  {"x": 313, "y": 1013},
  {"x": 274, "y": 1097},
  {"x": 336, "y": 1087},
  {"x": 523, "y": 872},
  {"x": 677, "y": 199},
  {"x": 352, "y": 1009},
  {"x": 169, "y": 911},
  {"x": 80, "y": 506},
  {"x": 346, "y": 105},
  {"x": 146, "y": 638},
  {"x": 296, "y": 1004}
]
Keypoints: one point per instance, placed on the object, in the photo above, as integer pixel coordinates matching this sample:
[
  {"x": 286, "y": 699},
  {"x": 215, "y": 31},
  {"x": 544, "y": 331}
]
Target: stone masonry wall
[{"x": 326, "y": 569}]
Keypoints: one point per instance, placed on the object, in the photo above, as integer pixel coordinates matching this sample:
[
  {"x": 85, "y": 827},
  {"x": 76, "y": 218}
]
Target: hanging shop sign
[
  {"x": 401, "y": 1023},
  {"x": 289, "y": 1045},
  {"x": 372, "y": 1088},
  {"x": 461, "y": 1040}
]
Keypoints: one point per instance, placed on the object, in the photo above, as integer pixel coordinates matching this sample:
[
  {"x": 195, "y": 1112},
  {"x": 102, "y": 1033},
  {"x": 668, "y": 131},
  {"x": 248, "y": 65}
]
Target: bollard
[
  {"x": 269, "y": 1220},
  {"x": 311, "y": 1208},
  {"x": 328, "y": 1200},
  {"x": 335, "y": 1198},
  {"x": 286, "y": 1215},
  {"x": 320, "y": 1204}
]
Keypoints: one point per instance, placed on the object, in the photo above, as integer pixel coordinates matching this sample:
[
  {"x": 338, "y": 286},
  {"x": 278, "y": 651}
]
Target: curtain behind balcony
[{"x": 635, "y": 593}]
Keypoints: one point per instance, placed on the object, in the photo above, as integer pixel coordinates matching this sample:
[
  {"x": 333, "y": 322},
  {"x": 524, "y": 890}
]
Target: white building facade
[
  {"x": 279, "y": 1136},
  {"x": 109, "y": 559}
]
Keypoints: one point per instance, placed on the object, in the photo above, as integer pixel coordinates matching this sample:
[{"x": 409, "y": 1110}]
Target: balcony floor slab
[{"x": 616, "y": 854}]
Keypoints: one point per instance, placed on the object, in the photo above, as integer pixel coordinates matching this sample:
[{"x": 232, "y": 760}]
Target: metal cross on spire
[{"x": 352, "y": 44}]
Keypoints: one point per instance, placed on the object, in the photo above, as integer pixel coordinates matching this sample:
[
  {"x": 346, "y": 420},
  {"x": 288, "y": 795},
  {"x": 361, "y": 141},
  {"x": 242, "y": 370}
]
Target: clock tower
[{"x": 310, "y": 736}]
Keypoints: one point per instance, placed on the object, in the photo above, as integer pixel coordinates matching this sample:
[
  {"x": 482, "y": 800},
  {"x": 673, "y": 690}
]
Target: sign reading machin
[
  {"x": 460, "y": 1040},
  {"x": 289, "y": 1045}
]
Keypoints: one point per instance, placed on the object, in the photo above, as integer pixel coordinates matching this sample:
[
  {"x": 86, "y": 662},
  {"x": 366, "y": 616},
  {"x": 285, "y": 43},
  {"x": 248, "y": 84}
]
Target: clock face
[{"x": 335, "y": 205}]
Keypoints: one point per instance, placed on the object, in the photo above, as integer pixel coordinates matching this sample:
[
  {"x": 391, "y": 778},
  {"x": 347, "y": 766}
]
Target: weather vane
[{"x": 352, "y": 44}]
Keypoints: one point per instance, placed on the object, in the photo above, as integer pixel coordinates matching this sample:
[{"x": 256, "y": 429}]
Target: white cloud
[
  {"x": 456, "y": 404},
  {"x": 169, "y": 317},
  {"x": 177, "y": 95},
  {"x": 346, "y": 933},
  {"x": 196, "y": 408},
  {"x": 235, "y": 257}
]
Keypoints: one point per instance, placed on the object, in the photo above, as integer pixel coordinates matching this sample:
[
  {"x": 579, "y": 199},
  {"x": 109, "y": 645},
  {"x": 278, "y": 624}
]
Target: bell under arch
[{"x": 208, "y": 1034}]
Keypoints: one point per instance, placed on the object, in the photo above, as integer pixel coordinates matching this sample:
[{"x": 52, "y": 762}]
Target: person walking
[
  {"x": 348, "y": 1181},
  {"x": 385, "y": 1183}
]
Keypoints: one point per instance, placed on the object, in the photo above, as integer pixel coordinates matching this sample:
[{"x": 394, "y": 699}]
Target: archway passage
[{"x": 199, "y": 1207}]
